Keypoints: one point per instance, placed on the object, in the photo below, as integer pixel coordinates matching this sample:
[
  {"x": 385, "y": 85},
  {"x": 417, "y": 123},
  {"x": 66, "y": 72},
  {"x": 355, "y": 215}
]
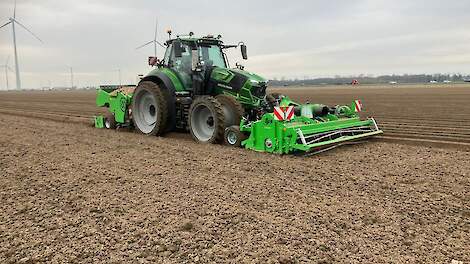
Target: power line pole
[{"x": 71, "y": 77}]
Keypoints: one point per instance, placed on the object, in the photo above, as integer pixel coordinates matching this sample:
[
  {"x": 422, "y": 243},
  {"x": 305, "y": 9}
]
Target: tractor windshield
[{"x": 212, "y": 56}]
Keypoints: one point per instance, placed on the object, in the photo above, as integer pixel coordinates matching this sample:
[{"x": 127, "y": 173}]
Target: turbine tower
[
  {"x": 7, "y": 68},
  {"x": 13, "y": 21},
  {"x": 154, "y": 41}
]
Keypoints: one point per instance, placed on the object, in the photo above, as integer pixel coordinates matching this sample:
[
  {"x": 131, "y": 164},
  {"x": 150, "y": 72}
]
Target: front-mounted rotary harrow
[{"x": 294, "y": 128}]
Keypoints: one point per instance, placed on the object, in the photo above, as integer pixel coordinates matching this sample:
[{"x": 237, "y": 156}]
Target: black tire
[
  {"x": 150, "y": 108},
  {"x": 109, "y": 121},
  {"x": 233, "y": 137},
  {"x": 233, "y": 110},
  {"x": 206, "y": 120}
]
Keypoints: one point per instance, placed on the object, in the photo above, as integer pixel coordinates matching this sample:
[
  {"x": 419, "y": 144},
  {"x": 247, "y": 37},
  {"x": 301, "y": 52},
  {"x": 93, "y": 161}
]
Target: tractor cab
[
  {"x": 194, "y": 58},
  {"x": 202, "y": 68}
]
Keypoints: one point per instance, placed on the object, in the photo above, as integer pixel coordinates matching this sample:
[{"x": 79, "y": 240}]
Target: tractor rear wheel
[
  {"x": 206, "y": 120},
  {"x": 233, "y": 136},
  {"x": 233, "y": 110},
  {"x": 150, "y": 108}
]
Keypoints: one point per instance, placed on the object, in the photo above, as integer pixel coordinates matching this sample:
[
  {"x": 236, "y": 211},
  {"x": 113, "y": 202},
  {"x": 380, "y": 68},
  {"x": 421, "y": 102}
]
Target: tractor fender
[{"x": 165, "y": 82}]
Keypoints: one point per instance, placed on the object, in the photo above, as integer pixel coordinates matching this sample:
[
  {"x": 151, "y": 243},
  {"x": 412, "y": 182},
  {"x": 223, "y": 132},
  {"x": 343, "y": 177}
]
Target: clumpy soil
[{"x": 72, "y": 193}]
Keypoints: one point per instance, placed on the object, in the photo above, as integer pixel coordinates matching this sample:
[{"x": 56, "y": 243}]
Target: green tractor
[{"x": 194, "y": 88}]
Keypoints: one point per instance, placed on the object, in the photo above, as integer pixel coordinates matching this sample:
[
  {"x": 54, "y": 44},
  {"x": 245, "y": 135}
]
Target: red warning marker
[
  {"x": 358, "y": 105},
  {"x": 284, "y": 113}
]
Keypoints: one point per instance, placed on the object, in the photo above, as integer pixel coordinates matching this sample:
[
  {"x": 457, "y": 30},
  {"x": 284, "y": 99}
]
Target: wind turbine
[
  {"x": 154, "y": 41},
  {"x": 13, "y": 21},
  {"x": 7, "y": 68}
]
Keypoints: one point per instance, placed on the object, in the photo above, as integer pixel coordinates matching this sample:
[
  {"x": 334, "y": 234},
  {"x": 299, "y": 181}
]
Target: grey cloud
[{"x": 285, "y": 38}]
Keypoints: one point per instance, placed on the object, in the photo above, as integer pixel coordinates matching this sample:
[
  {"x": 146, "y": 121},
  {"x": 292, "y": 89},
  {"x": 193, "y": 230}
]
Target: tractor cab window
[
  {"x": 182, "y": 65},
  {"x": 212, "y": 56},
  {"x": 166, "y": 60}
]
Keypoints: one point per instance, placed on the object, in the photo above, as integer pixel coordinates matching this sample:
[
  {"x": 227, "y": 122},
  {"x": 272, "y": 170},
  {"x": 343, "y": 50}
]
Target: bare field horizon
[
  {"x": 417, "y": 111},
  {"x": 307, "y": 86}
]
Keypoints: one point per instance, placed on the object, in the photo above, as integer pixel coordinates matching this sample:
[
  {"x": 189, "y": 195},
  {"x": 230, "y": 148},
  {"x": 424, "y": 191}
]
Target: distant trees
[{"x": 365, "y": 79}]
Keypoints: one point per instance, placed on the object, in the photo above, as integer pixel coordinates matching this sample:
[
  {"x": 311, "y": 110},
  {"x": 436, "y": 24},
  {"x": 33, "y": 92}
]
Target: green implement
[
  {"x": 313, "y": 128},
  {"x": 304, "y": 134},
  {"x": 194, "y": 89},
  {"x": 117, "y": 101}
]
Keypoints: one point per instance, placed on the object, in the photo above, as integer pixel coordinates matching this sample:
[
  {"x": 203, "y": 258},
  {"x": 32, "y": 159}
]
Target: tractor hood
[
  {"x": 250, "y": 88},
  {"x": 236, "y": 78},
  {"x": 252, "y": 77}
]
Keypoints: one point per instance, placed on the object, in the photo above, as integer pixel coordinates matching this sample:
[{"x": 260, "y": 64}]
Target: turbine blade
[
  {"x": 34, "y": 35},
  {"x": 8, "y": 67},
  {"x": 161, "y": 45},
  {"x": 141, "y": 46},
  {"x": 7, "y": 23},
  {"x": 14, "y": 11}
]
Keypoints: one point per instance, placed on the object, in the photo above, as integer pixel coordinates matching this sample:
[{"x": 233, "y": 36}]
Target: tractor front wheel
[
  {"x": 206, "y": 120},
  {"x": 150, "y": 108},
  {"x": 233, "y": 136},
  {"x": 233, "y": 110}
]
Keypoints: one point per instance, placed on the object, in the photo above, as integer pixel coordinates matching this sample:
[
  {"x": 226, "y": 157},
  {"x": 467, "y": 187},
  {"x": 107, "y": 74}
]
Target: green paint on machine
[
  {"x": 203, "y": 94},
  {"x": 117, "y": 101},
  {"x": 309, "y": 131}
]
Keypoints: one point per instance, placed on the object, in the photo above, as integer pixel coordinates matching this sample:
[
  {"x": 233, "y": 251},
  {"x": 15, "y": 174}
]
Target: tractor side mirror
[
  {"x": 244, "y": 53},
  {"x": 153, "y": 61},
  {"x": 178, "y": 49},
  {"x": 194, "y": 59}
]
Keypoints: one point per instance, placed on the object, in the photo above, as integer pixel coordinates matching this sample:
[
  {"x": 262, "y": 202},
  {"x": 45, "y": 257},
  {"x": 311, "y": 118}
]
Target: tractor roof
[{"x": 209, "y": 39}]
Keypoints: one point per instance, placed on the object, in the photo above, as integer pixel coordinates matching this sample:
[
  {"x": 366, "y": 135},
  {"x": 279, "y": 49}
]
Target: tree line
[{"x": 363, "y": 79}]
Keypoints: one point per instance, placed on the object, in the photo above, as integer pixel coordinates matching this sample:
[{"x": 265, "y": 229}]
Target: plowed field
[{"x": 71, "y": 193}]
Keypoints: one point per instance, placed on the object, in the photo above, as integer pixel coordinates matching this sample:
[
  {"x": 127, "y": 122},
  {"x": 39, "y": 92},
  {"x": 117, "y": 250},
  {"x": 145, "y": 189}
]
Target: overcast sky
[{"x": 292, "y": 39}]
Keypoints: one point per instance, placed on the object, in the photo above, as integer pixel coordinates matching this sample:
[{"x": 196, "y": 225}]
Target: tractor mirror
[
  {"x": 244, "y": 53},
  {"x": 178, "y": 49},
  {"x": 194, "y": 59},
  {"x": 153, "y": 61}
]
